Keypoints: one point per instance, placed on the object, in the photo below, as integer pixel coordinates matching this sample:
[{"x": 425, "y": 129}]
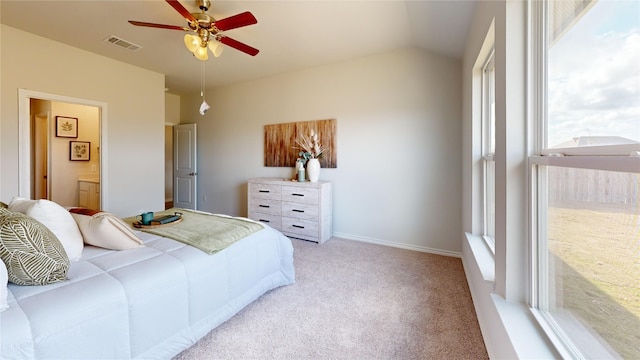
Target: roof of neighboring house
[{"x": 595, "y": 141}]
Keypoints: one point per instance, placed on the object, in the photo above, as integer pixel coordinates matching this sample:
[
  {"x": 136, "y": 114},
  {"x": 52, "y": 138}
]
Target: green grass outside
[{"x": 597, "y": 254}]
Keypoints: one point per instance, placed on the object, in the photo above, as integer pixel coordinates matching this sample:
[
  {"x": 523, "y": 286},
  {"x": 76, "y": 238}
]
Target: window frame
[
  {"x": 622, "y": 158},
  {"x": 488, "y": 124}
]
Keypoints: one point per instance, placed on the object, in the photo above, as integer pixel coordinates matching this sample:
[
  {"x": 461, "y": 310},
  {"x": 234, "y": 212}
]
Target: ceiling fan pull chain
[{"x": 204, "y": 106}]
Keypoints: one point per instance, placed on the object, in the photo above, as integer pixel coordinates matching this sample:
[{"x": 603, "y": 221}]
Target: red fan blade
[
  {"x": 239, "y": 46},
  {"x": 236, "y": 21},
  {"x": 184, "y": 12},
  {"x": 159, "y": 26}
]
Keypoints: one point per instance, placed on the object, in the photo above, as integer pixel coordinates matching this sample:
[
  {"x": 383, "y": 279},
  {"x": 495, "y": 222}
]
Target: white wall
[
  {"x": 135, "y": 123},
  {"x": 398, "y": 143}
]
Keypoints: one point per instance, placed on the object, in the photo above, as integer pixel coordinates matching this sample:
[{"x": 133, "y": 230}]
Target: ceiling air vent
[{"x": 124, "y": 43}]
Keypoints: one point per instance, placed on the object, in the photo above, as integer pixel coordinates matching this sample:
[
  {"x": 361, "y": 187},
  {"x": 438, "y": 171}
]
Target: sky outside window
[{"x": 594, "y": 75}]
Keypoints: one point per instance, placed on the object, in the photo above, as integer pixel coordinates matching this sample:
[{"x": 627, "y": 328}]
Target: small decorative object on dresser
[
  {"x": 301, "y": 210},
  {"x": 313, "y": 169},
  {"x": 312, "y": 150},
  {"x": 300, "y": 170}
]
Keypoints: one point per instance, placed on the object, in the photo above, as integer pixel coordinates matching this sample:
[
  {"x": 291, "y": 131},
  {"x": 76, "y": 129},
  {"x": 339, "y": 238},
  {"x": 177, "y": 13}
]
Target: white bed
[{"x": 150, "y": 302}]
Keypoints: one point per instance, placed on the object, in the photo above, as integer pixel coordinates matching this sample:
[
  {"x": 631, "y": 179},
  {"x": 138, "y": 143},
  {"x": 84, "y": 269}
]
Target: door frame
[{"x": 24, "y": 132}]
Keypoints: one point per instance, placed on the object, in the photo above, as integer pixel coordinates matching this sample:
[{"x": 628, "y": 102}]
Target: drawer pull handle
[
  {"x": 264, "y": 191},
  {"x": 263, "y": 220},
  {"x": 264, "y": 206},
  {"x": 294, "y": 194},
  {"x": 298, "y": 226},
  {"x": 296, "y": 210}
]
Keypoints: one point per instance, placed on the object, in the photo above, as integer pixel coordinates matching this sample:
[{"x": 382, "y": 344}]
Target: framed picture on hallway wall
[
  {"x": 79, "y": 150},
  {"x": 66, "y": 127}
]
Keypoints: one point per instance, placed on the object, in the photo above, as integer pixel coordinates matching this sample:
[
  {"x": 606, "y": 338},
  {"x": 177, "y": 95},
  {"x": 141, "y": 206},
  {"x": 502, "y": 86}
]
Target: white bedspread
[{"x": 150, "y": 302}]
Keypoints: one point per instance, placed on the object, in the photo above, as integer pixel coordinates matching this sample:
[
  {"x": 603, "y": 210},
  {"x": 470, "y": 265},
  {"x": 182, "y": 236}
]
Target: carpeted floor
[{"x": 354, "y": 300}]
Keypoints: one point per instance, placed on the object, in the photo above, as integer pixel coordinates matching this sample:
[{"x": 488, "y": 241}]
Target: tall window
[
  {"x": 586, "y": 176},
  {"x": 488, "y": 149}
]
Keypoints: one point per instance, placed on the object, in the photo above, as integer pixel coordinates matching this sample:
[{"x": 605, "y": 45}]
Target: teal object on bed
[{"x": 207, "y": 232}]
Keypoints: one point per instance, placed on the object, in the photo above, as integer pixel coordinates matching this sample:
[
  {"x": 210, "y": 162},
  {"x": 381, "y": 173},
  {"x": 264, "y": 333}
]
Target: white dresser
[{"x": 300, "y": 210}]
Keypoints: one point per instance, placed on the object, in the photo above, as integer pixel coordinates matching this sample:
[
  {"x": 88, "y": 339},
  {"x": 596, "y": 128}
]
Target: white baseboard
[{"x": 398, "y": 245}]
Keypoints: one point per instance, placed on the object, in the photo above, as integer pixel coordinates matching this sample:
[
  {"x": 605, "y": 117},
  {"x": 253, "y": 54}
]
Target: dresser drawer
[
  {"x": 264, "y": 191},
  {"x": 300, "y": 210},
  {"x": 270, "y": 219},
  {"x": 300, "y": 195},
  {"x": 303, "y": 229},
  {"x": 268, "y": 206}
]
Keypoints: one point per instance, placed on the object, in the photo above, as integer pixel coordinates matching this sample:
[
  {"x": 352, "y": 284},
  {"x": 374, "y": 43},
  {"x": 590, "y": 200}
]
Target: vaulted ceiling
[{"x": 290, "y": 34}]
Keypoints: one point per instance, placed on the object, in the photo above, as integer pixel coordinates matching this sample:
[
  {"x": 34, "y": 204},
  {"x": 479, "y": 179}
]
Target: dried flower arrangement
[{"x": 310, "y": 145}]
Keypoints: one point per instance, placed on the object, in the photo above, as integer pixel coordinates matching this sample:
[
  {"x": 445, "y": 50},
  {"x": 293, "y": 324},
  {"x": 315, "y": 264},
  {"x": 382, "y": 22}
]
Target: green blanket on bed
[{"x": 207, "y": 232}]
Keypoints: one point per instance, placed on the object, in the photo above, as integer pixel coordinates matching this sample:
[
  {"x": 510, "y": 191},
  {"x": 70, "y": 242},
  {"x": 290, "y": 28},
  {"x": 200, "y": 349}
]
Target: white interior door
[{"x": 185, "y": 167}]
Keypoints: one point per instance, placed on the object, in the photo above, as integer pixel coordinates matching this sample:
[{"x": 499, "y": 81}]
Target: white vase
[{"x": 313, "y": 169}]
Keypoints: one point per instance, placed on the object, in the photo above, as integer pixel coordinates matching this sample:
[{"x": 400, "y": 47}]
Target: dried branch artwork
[{"x": 281, "y": 150}]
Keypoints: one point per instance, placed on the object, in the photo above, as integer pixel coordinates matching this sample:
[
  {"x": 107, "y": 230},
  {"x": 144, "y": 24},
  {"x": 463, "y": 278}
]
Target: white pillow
[
  {"x": 4, "y": 279},
  {"x": 57, "y": 219},
  {"x": 105, "y": 230}
]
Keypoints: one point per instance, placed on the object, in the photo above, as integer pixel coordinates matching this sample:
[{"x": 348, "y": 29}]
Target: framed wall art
[
  {"x": 66, "y": 127},
  {"x": 79, "y": 150},
  {"x": 281, "y": 150}
]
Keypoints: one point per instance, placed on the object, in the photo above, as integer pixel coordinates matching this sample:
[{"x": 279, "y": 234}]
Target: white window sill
[
  {"x": 509, "y": 329},
  {"x": 484, "y": 258}
]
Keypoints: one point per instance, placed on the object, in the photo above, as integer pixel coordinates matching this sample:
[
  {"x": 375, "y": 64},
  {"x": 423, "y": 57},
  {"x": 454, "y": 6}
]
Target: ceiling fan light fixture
[
  {"x": 207, "y": 29},
  {"x": 216, "y": 48},
  {"x": 201, "y": 53},
  {"x": 192, "y": 42}
]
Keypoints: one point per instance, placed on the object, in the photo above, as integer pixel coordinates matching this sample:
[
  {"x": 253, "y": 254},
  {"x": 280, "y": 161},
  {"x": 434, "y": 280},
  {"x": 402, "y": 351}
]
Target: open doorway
[
  {"x": 62, "y": 155},
  {"x": 66, "y": 153}
]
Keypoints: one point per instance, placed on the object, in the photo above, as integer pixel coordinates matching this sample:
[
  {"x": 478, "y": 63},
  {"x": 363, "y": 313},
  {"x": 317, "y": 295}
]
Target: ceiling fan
[{"x": 208, "y": 30}]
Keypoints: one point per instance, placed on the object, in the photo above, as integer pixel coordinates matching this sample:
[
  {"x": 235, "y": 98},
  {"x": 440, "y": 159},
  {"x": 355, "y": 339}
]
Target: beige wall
[
  {"x": 399, "y": 127},
  {"x": 172, "y": 109},
  {"x": 134, "y": 120},
  {"x": 398, "y": 117},
  {"x": 172, "y": 117},
  {"x": 168, "y": 163}
]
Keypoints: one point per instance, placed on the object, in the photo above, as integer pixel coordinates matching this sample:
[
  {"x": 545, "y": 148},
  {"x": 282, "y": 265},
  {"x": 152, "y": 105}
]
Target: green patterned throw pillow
[{"x": 32, "y": 253}]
